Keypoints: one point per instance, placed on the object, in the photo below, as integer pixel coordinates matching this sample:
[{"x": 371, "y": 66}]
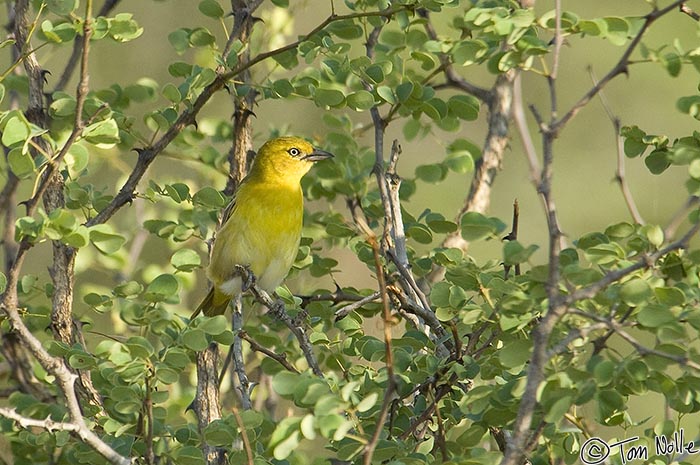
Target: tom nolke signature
[{"x": 595, "y": 450}]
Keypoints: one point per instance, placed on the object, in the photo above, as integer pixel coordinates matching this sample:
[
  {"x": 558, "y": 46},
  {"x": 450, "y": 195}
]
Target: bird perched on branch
[{"x": 261, "y": 227}]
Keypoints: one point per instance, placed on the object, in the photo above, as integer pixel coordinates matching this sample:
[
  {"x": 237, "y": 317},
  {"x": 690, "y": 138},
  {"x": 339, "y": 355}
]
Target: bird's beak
[{"x": 318, "y": 155}]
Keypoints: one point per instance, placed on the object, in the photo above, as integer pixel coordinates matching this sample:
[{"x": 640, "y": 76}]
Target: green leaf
[
  {"x": 209, "y": 197},
  {"x": 213, "y": 325},
  {"x": 285, "y": 382},
  {"x": 515, "y": 253},
  {"x": 178, "y": 191},
  {"x": 653, "y": 316},
  {"x": 103, "y": 133},
  {"x": 3, "y": 282},
  {"x": 558, "y": 409},
  {"x": 469, "y": 52},
  {"x": 61, "y": 7},
  {"x": 360, "y": 100},
  {"x": 419, "y": 233},
  {"x": 180, "y": 40},
  {"x": 654, "y": 233},
  {"x": 172, "y": 93},
  {"x": 515, "y": 354},
  {"x": 460, "y": 162},
  {"x": 431, "y": 173},
  {"x": 635, "y": 291},
  {"x": 219, "y": 433},
  {"x": 190, "y": 455},
  {"x": 185, "y": 260},
  {"x": 404, "y": 91},
  {"x": 617, "y": 32},
  {"x": 195, "y": 339},
  {"x": 387, "y": 94},
  {"x": 211, "y": 8},
  {"x": 162, "y": 287},
  {"x": 77, "y": 158},
  {"x": 201, "y": 37},
  {"x": 123, "y": 28},
  {"x": 78, "y": 238},
  {"x": 670, "y": 296},
  {"x": 464, "y": 107},
  {"x": 634, "y": 145},
  {"x": 105, "y": 240},
  {"x": 166, "y": 375},
  {"x": 328, "y": 97},
  {"x": 657, "y": 161},
  {"x": 21, "y": 164},
  {"x": 476, "y": 226},
  {"x": 283, "y": 88},
  {"x": 16, "y": 130}
]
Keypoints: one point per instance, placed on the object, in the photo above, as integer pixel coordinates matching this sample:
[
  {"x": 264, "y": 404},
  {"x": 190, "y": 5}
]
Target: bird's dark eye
[{"x": 295, "y": 152}]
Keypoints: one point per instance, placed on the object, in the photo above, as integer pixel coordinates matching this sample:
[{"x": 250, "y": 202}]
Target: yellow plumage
[{"x": 263, "y": 227}]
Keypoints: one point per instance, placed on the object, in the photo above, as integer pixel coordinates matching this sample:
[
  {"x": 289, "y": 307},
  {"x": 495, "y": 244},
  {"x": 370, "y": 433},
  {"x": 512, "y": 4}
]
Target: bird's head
[{"x": 288, "y": 158}]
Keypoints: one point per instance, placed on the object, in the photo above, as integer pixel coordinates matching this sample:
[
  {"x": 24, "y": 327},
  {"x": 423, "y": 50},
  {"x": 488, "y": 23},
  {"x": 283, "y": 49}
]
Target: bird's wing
[{"x": 226, "y": 214}]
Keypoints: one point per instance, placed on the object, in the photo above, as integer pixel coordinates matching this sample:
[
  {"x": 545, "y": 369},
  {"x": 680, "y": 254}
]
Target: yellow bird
[{"x": 261, "y": 228}]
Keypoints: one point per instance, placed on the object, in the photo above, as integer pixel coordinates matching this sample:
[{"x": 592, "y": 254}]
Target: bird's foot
[{"x": 247, "y": 276}]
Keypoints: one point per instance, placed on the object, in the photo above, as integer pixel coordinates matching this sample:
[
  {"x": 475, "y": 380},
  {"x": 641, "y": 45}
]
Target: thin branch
[
  {"x": 244, "y": 437},
  {"x": 680, "y": 216},
  {"x": 619, "y": 68},
  {"x": 278, "y": 311},
  {"x": 279, "y": 358},
  {"x": 347, "y": 309},
  {"x": 453, "y": 78},
  {"x": 639, "y": 347},
  {"x": 47, "y": 424},
  {"x": 524, "y": 132},
  {"x": 645, "y": 262},
  {"x": 389, "y": 356},
  {"x": 620, "y": 176},
  {"x": 689, "y": 11}
]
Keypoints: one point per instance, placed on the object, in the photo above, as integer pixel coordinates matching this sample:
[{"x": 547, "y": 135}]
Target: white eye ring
[{"x": 295, "y": 152}]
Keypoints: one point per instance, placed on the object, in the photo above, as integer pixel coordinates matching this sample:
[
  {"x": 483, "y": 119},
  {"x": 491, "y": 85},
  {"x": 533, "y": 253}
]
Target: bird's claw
[{"x": 247, "y": 277}]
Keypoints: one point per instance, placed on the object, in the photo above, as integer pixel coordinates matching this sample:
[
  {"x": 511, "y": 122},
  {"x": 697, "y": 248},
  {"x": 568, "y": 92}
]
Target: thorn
[{"x": 44, "y": 73}]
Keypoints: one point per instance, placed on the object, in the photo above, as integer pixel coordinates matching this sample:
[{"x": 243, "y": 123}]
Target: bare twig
[
  {"x": 244, "y": 437},
  {"x": 619, "y": 68},
  {"x": 277, "y": 310},
  {"x": 524, "y": 131},
  {"x": 453, "y": 78},
  {"x": 279, "y": 358},
  {"x": 347, "y": 309},
  {"x": 620, "y": 176},
  {"x": 389, "y": 357},
  {"x": 689, "y": 11},
  {"x": 680, "y": 216}
]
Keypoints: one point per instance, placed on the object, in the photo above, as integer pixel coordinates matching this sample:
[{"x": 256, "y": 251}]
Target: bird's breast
[{"x": 263, "y": 233}]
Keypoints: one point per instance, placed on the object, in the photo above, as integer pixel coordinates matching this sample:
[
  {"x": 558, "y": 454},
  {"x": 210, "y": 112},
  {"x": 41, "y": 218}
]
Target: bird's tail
[{"x": 215, "y": 303}]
